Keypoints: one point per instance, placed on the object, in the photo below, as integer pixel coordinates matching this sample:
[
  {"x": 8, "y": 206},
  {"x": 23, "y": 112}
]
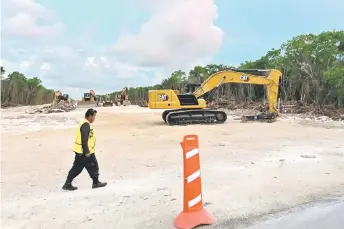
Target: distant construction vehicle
[
  {"x": 107, "y": 102},
  {"x": 104, "y": 101},
  {"x": 192, "y": 108},
  {"x": 99, "y": 101},
  {"x": 59, "y": 97},
  {"x": 123, "y": 98},
  {"x": 89, "y": 99}
]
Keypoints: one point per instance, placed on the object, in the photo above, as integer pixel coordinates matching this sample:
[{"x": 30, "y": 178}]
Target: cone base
[{"x": 188, "y": 220}]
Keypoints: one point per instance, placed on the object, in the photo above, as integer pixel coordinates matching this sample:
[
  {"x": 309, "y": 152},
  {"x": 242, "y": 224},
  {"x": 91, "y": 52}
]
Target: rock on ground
[{"x": 62, "y": 106}]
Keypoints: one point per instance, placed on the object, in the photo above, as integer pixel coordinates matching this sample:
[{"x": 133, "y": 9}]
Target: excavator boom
[{"x": 269, "y": 78}]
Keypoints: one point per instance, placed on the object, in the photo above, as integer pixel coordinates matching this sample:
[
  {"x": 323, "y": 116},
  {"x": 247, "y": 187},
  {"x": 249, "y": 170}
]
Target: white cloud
[
  {"x": 177, "y": 34},
  {"x": 28, "y": 6},
  {"x": 26, "y": 64},
  {"x": 105, "y": 61},
  {"x": 29, "y": 19},
  {"x": 10, "y": 66},
  {"x": 90, "y": 62},
  {"x": 45, "y": 67},
  {"x": 23, "y": 24},
  {"x": 62, "y": 67}
]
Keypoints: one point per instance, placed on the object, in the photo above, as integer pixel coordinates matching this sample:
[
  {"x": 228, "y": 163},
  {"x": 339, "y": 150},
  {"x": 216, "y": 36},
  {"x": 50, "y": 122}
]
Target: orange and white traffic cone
[{"x": 193, "y": 213}]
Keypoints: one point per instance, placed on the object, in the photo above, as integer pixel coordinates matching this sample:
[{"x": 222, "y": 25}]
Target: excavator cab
[
  {"x": 191, "y": 88},
  {"x": 87, "y": 96}
]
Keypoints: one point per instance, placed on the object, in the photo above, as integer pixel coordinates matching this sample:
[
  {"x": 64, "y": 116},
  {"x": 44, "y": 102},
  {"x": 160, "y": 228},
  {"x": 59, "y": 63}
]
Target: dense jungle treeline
[
  {"x": 312, "y": 67},
  {"x": 18, "y": 89}
]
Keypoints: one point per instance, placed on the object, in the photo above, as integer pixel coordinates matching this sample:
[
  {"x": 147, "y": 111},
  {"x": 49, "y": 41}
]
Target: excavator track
[
  {"x": 165, "y": 113},
  {"x": 195, "y": 116}
]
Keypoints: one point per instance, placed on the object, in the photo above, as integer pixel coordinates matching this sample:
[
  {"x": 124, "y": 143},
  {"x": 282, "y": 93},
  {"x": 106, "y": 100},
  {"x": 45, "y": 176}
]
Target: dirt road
[{"x": 247, "y": 169}]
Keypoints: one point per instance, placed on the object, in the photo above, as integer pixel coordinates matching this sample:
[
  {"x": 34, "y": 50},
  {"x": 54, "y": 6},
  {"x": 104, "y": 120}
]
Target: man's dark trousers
[{"x": 81, "y": 162}]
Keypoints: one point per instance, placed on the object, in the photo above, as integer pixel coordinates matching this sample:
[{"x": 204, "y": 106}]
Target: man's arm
[{"x": 85, "y": 130}]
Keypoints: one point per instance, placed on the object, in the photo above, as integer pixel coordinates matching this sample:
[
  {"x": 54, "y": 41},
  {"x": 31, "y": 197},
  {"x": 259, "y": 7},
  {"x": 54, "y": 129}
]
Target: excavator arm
[{"x": 271, "y": 79}]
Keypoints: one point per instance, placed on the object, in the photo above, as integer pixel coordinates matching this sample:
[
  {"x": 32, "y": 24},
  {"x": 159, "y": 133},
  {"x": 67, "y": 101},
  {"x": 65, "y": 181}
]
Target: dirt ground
[{"x": 248, "y": 169}]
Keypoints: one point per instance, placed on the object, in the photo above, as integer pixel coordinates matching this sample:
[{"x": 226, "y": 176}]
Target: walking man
[{"x": 84, "y": 149}]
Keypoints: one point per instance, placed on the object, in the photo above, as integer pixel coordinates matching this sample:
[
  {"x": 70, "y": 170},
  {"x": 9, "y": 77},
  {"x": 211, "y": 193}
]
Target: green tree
[{"x": 21, "y": 90}]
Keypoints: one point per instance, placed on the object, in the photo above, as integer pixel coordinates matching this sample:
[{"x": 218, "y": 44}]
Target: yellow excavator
[
  {"x": 191, "y": 108},
  {"x": 104, "y": 100},
  {"x": 89, "y": 99},
  {"x": 59, "y": 97},
  {"x": 123, "y": 98},
  {"x": 107, "y": 102}
]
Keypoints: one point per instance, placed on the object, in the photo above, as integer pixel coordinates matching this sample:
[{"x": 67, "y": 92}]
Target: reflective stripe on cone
[{"x": 193, "y": 214}]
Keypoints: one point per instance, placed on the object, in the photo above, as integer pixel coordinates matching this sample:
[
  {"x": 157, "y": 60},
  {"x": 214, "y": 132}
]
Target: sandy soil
[{"x": 247, "y": 169}]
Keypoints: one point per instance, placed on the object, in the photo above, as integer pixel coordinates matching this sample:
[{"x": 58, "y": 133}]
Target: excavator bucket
[{"x": 263, "y": 117}]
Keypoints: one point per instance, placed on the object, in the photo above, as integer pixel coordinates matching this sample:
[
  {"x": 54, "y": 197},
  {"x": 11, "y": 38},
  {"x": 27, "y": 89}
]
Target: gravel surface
[{"x": 248, "y": 169}]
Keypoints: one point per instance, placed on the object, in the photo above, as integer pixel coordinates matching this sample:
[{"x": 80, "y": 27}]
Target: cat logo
[
  {"x": 163, "y": 97},
  {"x": 244, "y": 78}
]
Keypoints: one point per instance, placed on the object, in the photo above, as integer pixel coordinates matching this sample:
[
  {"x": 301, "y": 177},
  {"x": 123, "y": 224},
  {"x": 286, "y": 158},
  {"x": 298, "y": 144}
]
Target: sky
[{"x": 75, "y": 46}]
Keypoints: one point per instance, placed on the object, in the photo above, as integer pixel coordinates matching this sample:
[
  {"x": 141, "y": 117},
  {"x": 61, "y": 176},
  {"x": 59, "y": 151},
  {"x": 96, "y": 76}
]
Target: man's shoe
[
  {"x": 69, "y": 187},
  {"x": 99, "y": 184}
]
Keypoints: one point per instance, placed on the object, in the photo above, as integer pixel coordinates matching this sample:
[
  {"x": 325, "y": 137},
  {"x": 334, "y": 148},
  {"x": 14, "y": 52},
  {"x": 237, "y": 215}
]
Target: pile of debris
[
  {"x": 142, "y": 103},
  {"x": 287, "y": 108},
  {"x": 9, "y": 105},
  {"x": 314, "y": 110},
  {"x": 62, "y": 106},
  {"x": 233, "y": 105}
]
